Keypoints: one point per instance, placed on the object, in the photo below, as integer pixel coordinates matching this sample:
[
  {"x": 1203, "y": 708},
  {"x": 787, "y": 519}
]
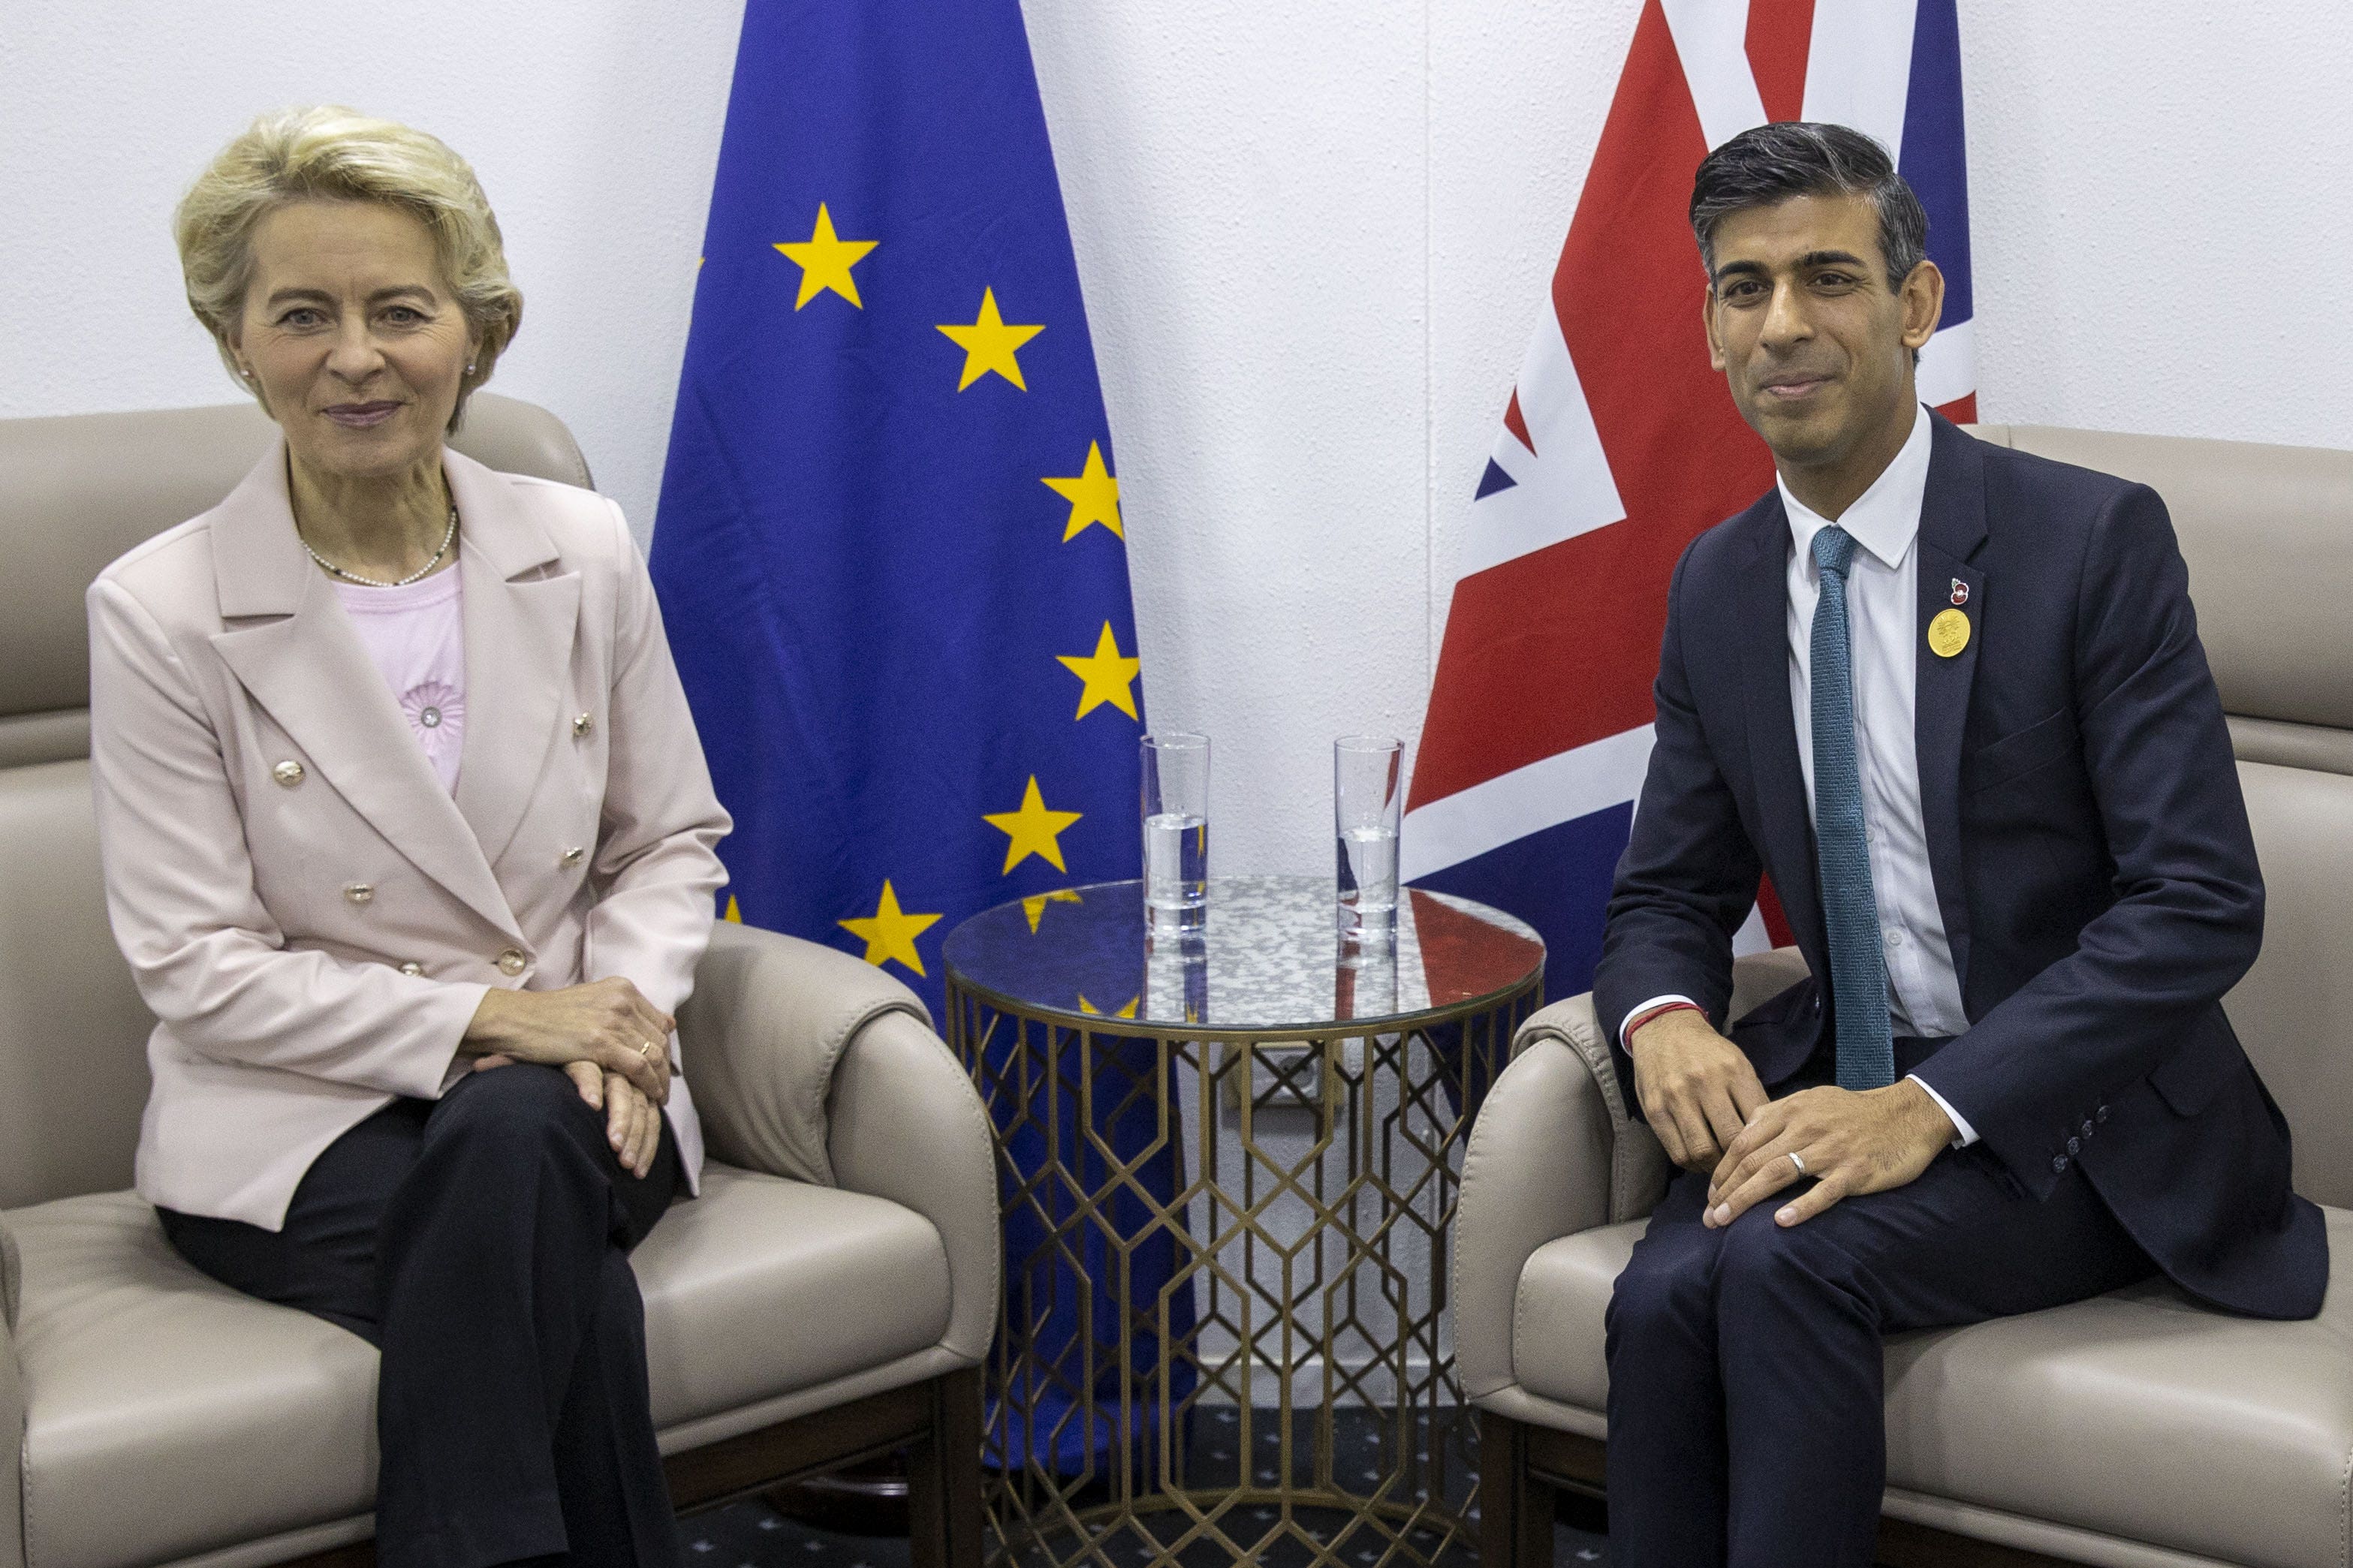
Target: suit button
[
  {"x": 2074, "y": 1145},
  {"x": 572, "y": 856},
  {"x": 2102, "y": 1113},
  {"x": 2087, "y": 1127},
  {"x": 512, "y": 961},
  {"x": 581, "y": 724},
  {"x": 288, "y": 773},
  {"x": 359, "y": 892},
  {"x": 413, "y": 969},
  {"x": 2059, "y": 1164}
]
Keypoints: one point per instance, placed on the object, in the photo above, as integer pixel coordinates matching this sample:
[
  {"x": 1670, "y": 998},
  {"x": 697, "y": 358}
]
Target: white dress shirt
[{"x": 1883, "y": 597}]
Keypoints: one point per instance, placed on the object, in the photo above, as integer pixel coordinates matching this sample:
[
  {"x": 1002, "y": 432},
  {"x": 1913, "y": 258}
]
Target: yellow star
[
  {"x": 1126, "y": 1012},
  {"x": 1108, "y": 675},
  {"x": 890, "y": 932},
  {"x": 1031, "y": 830},
  {"x": 735, "y": 911},
  {"x": 1035, "y": 907},
  {"x": 825, "y": 259},
  {"x": 989, "y": 344},
  {"x": 1094, "y": 496}
]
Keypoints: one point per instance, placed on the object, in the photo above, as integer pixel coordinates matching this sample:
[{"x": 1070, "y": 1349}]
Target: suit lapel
[
  {"x": 1761, "y": 631},
  {"x": 520, "y": 623},
  {"x": 303, "y": 660},
  {"x": 1952, "y": 527}
]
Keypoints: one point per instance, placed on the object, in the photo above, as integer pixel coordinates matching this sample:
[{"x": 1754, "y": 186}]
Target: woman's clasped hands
[{"x": 606, "y": 1037}]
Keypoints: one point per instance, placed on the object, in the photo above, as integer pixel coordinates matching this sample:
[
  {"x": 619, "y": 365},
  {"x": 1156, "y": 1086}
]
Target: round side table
[{"x": 1229, "y": 1161}]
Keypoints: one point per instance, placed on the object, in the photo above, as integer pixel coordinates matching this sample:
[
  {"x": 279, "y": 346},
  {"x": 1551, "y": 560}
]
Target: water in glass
[
  {"x": 1368, "y": 869},
  {"x": 1177, "y": 860}
]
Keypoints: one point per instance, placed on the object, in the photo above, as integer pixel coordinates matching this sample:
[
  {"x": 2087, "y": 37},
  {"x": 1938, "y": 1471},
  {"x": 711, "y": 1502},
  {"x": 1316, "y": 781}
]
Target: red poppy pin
[{"x": 1960, "y": 592}]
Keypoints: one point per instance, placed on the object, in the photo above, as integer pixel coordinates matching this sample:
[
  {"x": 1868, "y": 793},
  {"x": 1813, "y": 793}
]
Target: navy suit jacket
[{"x": 2085, "y": 832}]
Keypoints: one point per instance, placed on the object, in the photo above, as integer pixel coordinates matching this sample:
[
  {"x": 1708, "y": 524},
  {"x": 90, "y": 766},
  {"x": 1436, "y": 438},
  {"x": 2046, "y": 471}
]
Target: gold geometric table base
[{"x": 1297, "y": 1188}]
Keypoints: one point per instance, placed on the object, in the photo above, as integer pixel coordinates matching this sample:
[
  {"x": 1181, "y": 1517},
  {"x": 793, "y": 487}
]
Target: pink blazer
[{"x": 310, "y": 915}]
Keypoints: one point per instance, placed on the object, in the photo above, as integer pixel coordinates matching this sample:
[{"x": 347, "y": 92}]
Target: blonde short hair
[{"x": 339, "y": 154}]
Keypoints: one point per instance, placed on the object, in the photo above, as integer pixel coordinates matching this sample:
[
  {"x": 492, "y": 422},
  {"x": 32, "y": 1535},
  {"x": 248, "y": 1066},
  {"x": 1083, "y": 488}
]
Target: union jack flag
[{"x": 1620, "y": 446}]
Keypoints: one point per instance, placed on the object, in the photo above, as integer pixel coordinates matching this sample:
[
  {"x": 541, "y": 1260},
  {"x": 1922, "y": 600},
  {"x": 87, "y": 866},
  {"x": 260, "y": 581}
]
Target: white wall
[{"x": 1313, "y": 235}]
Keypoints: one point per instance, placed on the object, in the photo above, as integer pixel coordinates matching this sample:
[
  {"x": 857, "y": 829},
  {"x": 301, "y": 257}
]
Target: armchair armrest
[
  {"x": 907, "y": 1124},
  {"x": 1540, "y": 1165},
  {"x": 1637, "y": 1168},
  {"x": 812, "y": 1065},
  {"x": 1555, "y": 1151},
  {"x": 762, "y": 1036}
]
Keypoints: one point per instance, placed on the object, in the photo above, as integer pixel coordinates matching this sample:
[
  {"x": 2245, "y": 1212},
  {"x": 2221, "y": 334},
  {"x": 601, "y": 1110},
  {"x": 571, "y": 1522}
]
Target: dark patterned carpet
[
  {"x": 750, "y": 1535},
  {"x": 753, "y": 1535}
]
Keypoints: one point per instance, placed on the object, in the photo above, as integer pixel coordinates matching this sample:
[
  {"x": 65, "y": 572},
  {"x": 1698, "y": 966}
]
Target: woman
[{"x": 408, "y": 840}]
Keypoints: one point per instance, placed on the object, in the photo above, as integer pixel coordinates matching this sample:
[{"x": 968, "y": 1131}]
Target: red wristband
[{"x": 1661, "y": 1011}]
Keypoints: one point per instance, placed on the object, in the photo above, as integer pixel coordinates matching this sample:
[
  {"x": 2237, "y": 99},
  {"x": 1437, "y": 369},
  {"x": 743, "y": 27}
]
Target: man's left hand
[{"x": 1852, "y": 1142}]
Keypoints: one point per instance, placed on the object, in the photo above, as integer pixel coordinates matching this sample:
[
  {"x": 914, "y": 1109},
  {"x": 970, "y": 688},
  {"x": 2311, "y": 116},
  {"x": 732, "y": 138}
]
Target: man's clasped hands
[{"x": 1703, "y": 1098}]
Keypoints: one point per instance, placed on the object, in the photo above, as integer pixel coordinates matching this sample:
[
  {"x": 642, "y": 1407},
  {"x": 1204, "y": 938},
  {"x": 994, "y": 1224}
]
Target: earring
[
  {"x": 470, "y": 368},
  {"x": 245, "y": 372}
]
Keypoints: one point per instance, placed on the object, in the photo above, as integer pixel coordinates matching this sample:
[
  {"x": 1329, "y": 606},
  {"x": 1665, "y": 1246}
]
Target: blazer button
[
  {"x": 2101, "y": 1114},
  {"x": 413, "y": 969},
  {"x": 359, "y": 892},
  {"x": 288, "y": 773},
  {"x": 2059, "y": 1164},
  {"x": 581, "y": 724},
  {"x": 2087, "y": 1127},
  {"x": 572, "y": 856},
  {"x": 512, "y": 960},
  {"x": 2074, "y": 1145}
]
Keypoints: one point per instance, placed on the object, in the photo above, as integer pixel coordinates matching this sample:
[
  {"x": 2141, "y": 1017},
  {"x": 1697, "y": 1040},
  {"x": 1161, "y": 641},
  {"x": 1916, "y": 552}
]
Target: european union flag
[{"x": 889, "y": 549}]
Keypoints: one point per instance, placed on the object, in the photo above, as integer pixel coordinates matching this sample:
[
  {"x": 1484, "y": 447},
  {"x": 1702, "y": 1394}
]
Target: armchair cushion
[
  {"x": 762, "y": 1287},
  {"x": 2139, "y": 1415},
  {"x": 761, "y": 1037},
  {"x": 1556, "y": 1313},
  {"x": 230, "y": 1419},
  {"x": 236, "y": 1420}
]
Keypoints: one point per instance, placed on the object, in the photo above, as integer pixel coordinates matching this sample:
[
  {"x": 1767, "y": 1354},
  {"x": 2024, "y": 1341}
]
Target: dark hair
[{"x": 1771, "y": 164}]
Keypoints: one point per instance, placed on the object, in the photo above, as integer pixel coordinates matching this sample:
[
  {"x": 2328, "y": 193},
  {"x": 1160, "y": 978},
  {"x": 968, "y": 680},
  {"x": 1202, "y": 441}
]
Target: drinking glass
[
  {"x": 1175, "y": 831},
  {"x": 1366, "y": 802}
]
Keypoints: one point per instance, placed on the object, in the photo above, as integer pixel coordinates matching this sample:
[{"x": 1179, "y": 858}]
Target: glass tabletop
[{"x": 1270, "y": 957}]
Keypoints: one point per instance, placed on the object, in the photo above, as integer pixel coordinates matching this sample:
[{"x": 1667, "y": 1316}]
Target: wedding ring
[
  {"x": 1800, "y": 1163},
  {"x": 647, "y": 1051}
]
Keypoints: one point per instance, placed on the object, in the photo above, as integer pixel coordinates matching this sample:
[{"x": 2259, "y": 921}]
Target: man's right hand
[
  {"x": 1696, "y": 1088},
  {"x": 607, "y": 1023}
]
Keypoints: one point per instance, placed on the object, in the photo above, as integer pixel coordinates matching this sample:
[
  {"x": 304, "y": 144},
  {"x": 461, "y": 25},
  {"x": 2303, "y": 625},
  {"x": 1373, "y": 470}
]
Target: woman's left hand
[{"x": 633, "y": 1123}]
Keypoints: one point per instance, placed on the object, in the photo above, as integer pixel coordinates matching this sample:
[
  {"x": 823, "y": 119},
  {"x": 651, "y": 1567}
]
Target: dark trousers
[
  {"x": 480, "y": 1241},
  {"x": 1746, "y": 1423}
]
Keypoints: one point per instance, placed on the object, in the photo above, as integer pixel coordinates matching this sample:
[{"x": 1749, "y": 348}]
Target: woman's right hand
[{"x": 607, "y": 1023}]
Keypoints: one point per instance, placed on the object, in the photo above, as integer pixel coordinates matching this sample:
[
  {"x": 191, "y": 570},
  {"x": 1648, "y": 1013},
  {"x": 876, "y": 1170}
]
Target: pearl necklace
[{"x": 448, "y": 539}]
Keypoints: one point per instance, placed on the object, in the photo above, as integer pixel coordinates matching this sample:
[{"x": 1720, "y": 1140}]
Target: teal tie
[{"x": 1866, "y": 1050}]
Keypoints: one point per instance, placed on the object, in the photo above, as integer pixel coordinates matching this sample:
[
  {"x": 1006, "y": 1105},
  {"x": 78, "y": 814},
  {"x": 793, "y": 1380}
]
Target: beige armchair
[
  {"x": 2135, "y": 1430},
  {"x": 828, "y": 1298}
]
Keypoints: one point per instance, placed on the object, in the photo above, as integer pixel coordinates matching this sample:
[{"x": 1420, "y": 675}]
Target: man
[{"x": 1951, "y": 699}]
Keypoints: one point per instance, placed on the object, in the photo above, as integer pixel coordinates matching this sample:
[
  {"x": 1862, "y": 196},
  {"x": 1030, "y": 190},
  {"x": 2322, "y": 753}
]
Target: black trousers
[
  {"x": 481, "y": 1241},
  {"x": 1747, "y": 1423}
]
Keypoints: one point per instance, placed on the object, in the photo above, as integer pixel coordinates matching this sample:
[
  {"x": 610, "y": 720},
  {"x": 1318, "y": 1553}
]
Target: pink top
[{"x": 416, "y": 636}]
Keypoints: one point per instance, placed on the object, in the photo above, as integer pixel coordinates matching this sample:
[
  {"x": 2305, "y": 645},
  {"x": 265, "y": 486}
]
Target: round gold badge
[{"x": 1948, "y": 633}]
